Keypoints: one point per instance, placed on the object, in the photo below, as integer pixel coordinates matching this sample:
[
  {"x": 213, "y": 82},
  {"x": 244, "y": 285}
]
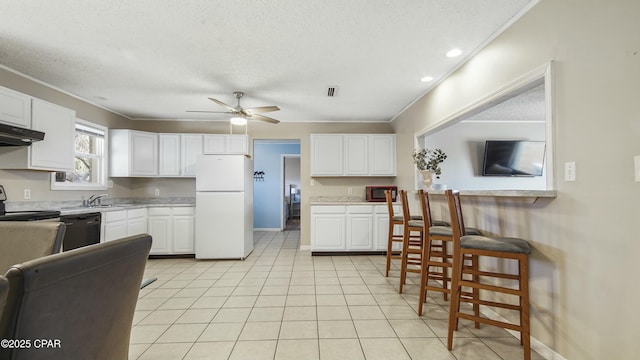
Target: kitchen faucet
[{"x": 93, "y": 198}]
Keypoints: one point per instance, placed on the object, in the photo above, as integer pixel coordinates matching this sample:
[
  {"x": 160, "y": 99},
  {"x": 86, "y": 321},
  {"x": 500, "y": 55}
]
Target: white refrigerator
[{"x": 224, "y": 207}]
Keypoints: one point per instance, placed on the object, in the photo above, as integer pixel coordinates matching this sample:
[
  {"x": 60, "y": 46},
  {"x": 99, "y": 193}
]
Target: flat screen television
[{"x": 513, "y": 158}]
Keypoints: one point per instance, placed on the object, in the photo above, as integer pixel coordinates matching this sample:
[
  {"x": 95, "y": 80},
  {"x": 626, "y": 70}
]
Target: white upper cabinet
[
  {"x": 226, "y": 144},
  {"x": 355, "y": 159},
  {"x": 169, "y": 157},
  {"x": 133, "y": 153},
  {"x": 56, "y": 151},
  {"x": 190, "y": 148},
  {"x": 15, "y": 108},
  {"x": 382, "y": 155},
  {"x": 353, "y": 155},
  {"x": 327, "y": 155}
]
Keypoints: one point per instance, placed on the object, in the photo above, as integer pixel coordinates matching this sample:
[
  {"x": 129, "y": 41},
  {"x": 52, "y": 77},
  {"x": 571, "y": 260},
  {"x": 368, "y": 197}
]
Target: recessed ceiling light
[
  {"x": 454, "y": 52},
  {"x": 426, "y": 78}
]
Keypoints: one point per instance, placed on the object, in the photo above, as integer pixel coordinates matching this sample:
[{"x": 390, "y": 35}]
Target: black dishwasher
[{"x": 82, "y": 230}]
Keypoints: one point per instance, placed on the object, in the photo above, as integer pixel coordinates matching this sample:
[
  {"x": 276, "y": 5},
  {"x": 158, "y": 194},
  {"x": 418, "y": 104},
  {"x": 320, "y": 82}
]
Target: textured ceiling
[{"x": 157, "y": 59}]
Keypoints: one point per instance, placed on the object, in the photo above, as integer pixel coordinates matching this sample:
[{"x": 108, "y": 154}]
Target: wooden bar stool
[
  {"x": 394, "y": 220},
  {"x": 500, "y": 248},
  {"x": 411, "y": 254},
  {"x": 438, "y": 239}
]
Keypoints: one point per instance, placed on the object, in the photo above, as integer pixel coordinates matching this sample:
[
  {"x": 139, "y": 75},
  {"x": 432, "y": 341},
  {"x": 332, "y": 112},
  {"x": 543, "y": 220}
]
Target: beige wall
[{"x": 583, "y": 268}]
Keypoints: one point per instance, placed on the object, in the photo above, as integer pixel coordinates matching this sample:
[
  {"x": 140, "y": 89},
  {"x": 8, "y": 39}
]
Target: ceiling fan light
[{"x": 238, "y": 120}]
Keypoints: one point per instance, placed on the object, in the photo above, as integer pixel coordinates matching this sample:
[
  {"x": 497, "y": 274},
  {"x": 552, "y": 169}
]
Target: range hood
[{"x": 16, "y": 136}]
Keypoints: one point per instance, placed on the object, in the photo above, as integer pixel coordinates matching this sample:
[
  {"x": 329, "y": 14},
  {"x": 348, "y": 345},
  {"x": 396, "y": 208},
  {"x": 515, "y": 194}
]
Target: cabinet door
[
  {"x": 144, "y": 153},
  {"x": 237, "y": 144},
  {"x": 215, "y": 144},
  {"x": 359, "y": 232},
  {"x": 327, "y": 155},
  {"x": 115, "y": 230},
  {"x": 382, "y": 155},
  {"x": 56, "y": 151},
  {"x": 328, "y": 232},
  {"x": 136, "y": 226},
  {"x": 183, "y": 234},
  {"x": 169, "y": 158},
  {"x": 15, "y": 108},
  {"x": 355, "y": 159},
  {"x": 191, "y": 147},
  {"x": 160, "y": 229}
]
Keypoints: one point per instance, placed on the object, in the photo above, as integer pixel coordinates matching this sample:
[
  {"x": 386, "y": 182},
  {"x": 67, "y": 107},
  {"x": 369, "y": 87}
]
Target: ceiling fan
[{"x": 241, "y": 115}]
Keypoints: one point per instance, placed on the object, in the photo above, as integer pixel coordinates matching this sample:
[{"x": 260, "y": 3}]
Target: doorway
[
  {"x": 270, "y": 193},
  {"x": 291, "y": 191}
]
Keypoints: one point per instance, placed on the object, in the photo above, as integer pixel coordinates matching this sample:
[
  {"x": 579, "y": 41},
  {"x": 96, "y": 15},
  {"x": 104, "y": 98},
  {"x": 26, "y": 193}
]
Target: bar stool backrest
[
  {"x": 387, "y": 196},
  {"x": 455, "y": 211},
  {"x": 405, "y": 206},
  {"x": 426, "y": 209}
]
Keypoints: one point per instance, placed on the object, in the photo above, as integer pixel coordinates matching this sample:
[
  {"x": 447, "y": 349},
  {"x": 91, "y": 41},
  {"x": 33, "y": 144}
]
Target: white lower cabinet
[
  {"x": 115, "y": 225},
  {"x": 160, "y": 228},
  {"x": 183, "y": 230},
  {"x": 349, "y": 227},
  {"x": 123, "y": 223},
  {"x": 172, "y": 230},
  {"x": 360, "y": 227},
  {"x": 328, "y": 228},
  {"x": 136, "y": 221},
  {"x": 381, "y": 221}
]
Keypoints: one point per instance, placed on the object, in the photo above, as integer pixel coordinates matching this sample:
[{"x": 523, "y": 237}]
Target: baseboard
[
  {"x": 537, "y": 345},
  {"x": 346, "y": 253},
  {"x": 266, "y": 229},
  {"x": 305, "y": 247}
]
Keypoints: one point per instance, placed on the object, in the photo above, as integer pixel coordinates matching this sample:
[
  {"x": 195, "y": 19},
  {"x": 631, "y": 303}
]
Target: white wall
[{"x": 464, "y": 145}]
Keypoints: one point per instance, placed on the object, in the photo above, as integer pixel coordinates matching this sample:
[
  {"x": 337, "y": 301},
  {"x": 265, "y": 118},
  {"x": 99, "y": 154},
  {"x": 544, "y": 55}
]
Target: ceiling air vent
[{"x": 332, "y": 91}]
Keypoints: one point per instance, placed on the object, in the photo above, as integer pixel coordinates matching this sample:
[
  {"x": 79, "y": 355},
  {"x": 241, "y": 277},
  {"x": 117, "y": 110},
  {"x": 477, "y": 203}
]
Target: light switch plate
[
  {"x": 570, "y": 171},
  {"x": 636, "y": 161}
]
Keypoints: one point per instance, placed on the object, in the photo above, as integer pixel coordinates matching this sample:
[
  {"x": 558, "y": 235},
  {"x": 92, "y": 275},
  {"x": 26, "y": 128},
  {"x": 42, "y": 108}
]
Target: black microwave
[{"x": 376, "y": 193}]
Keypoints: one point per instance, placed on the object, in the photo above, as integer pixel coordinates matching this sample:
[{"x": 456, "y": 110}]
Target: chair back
[
  {"x": 406, "y": 214},
  {"x": 22, "y": 241},
  {"x": 455, "y": 211},
  {"x": 389, "y": 199},
  {"x": 85, "y": 298},
  {"x": 426, "y": 210},
  {"x": 4, "y": 290}
]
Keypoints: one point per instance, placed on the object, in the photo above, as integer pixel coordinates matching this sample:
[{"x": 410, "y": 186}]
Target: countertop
[
  {"x": 115, "y": 204},
  {"x": 116, "y": 207},
  {"x": 526, "y": 195}
]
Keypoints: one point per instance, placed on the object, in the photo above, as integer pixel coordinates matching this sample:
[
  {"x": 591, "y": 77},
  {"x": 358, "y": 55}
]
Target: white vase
[{"x": 427, "y": 178}]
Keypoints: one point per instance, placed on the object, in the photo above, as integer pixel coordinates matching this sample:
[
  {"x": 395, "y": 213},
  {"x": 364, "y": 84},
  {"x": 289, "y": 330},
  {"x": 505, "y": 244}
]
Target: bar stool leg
[
  {"x": 389, "y": 247},
  {"x": 525, "y": 335}
]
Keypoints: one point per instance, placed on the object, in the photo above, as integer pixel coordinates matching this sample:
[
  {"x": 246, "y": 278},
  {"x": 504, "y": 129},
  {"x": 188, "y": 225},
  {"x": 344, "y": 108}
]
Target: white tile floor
[{"x": 282, "y": 303}]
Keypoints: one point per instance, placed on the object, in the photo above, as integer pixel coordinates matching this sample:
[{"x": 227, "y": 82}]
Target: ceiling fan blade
[
  {"x": 260, "y": 109},
  {"x": 263, "y": 118},
  {"x": 229, "y": 107},
  {"x": 210, "y": 112}
]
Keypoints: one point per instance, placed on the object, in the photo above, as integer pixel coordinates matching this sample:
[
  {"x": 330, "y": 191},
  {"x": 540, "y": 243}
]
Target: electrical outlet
[
  {"x": 312, "y": 182},
  {"x": 636, "y": 161},
  {"x": 156, "y": 192},
  {"x": 350, "y": 191},
  {"x": 110, "y": 184},
  {"x": 27, "y": 194},
  {"x": 570, "y": 171}
]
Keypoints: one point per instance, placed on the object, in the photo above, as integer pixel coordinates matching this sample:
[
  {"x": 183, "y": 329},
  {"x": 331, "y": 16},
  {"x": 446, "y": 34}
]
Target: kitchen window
[{"x": 90, "y": 160}]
